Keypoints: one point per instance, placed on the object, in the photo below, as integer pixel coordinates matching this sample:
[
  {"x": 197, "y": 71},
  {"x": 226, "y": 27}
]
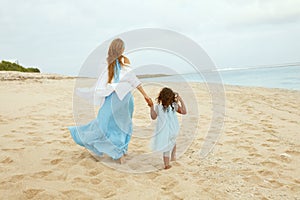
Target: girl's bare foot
[
  {"x": 173, "y": 154},
  {"x": 167, "y": 167}
]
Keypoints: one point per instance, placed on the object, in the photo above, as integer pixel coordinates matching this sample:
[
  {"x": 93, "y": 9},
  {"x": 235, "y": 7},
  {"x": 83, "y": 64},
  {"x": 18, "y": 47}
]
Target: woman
[{"x": 110, "y": 132}]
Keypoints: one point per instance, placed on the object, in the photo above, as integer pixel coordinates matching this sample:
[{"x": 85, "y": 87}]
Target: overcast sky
[{"x": 58, "y": 35}]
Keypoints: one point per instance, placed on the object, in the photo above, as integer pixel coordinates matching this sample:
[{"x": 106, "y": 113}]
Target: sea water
[{"x": 287, "y": 77}]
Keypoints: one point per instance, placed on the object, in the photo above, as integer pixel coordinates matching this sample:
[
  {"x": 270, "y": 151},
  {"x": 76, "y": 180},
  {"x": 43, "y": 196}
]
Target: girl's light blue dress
[
  {"x": 110, "y": 132},
  {"x": 167, "y": 129}
]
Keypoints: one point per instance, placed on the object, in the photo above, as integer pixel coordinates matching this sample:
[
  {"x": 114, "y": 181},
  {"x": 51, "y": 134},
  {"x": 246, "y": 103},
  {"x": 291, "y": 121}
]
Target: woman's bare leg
[{"x": 122, "y": 160}]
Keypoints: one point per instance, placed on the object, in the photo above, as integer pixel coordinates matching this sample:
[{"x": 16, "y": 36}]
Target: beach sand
[{"x": 256, "y": 157}]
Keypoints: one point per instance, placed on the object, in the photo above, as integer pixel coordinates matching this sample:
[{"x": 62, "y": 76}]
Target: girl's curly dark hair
[{"x": 167, "y": 97}]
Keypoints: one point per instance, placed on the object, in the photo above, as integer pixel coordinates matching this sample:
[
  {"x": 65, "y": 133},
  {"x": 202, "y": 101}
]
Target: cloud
[
  {"x": 260, "y": 13},
  {"x": 58, "y": 35}
]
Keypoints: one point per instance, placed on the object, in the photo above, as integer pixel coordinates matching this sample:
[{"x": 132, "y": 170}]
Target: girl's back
[{"x": 167, "y": 128}]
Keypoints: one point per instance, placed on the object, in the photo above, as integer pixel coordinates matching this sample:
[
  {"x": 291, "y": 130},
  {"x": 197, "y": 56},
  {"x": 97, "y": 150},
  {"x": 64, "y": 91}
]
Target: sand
[{"x": 256, "y": 157}]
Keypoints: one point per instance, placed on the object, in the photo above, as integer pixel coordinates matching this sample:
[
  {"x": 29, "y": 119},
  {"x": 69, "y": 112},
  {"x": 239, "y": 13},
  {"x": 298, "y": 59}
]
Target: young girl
[{"x": 167, "y": 126}]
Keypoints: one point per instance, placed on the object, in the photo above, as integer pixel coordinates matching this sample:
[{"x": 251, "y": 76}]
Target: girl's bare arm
[
  {"x": 181, "y": 108},
  {"x": 153, "y": 114}
]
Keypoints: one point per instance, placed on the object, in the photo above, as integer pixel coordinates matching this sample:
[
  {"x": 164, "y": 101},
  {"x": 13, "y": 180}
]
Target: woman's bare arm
[{"x": 142, "y": 91}]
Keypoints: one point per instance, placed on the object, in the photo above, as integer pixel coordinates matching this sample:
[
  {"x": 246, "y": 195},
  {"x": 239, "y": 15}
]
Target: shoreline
[
  {"x": 15, "y": 75},
  {"x": 20, "y": 76}
]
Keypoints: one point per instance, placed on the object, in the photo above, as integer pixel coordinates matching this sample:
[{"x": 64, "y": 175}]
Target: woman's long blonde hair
[{"x": 115, "y": 52}]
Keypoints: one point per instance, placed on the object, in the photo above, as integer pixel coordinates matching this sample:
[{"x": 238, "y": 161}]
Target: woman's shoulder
[{"x": 126, "y": 69}]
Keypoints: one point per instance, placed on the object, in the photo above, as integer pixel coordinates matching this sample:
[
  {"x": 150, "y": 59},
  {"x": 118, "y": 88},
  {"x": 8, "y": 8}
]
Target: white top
[{"x": 96, "y": 95}]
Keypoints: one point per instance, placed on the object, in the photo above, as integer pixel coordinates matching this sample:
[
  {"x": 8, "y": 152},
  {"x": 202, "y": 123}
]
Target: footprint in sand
[
  {"x": 231, "y": 142},
  {"x": 57, "y": 152},
  {"x": 31, "y": 133},
  {"x": 295, "y": 188},
  {"x": 94, "y": 172},
  {"x": 166, "y": 182},
  {"x": 265, "y": 145},
  {"x": 75, "y": 194},
  {"x": 152, "y": 175},
  {"x": 253, "y": 179},
  {"x": 14, "y": 150},
  {"x": 133, "y": 166},
  {"x": 266, "y": 173},
  {"x": 16, "y": 178},
  {"x": 95, "y": 181},
  {"x": 30, "y": 193},
  {"x": 275, "y": 184},
  {"x": 41, "y": 174},
  {"x": 283, "y": 158},
  {"x": 79, "y": 180},
  {"x": 55, "y": 161},
  {"x": 293, "y": 152},
  {"x": 256, "y": 155},
  {"x": 19, "y": 140},
  {"x": 247, "y": 148},
  {"x": 7, "y": 160},
  {"x": 269, "y": 130},
  {"x": 8, "y": 136},
  {"x": 33, "y": 124},
  {"x": 273, "y": 140},
  {"x": 238, "y": 160},
  {"x": 271, "y": 149},
  {"x": 269, "y": 164}
]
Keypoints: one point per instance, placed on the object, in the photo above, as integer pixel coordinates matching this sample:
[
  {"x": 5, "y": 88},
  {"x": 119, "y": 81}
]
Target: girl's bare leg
[
  {"x": 173, "y": 154},
  {"x": 167, "y": 162}
]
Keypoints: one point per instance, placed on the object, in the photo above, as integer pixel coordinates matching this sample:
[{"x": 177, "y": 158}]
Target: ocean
[{"x": 284, "y": 77}]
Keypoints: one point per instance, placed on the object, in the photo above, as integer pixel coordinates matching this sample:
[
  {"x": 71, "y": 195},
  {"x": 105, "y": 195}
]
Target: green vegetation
[{"x": 8, "y": 66}]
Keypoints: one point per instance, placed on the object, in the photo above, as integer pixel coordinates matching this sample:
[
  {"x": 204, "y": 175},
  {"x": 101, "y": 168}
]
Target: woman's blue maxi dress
[{"x": 110, "y": 132}]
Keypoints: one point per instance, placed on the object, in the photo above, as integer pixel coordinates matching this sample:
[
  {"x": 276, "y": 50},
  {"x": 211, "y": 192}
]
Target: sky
[{"x": 57, "y": 36}]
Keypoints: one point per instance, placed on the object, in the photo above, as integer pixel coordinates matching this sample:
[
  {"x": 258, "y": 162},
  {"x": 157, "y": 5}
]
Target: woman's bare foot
[
  {"x": 173, "y": 158},
  {"x": 122, "y": 160},
  {"x": 167, "y": 167}
]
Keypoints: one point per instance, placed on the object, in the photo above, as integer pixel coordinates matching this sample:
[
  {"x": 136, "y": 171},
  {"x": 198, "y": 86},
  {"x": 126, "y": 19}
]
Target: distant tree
[
  {"x": 31, "y": 69},
  {"x": 8, "y": 66}
]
